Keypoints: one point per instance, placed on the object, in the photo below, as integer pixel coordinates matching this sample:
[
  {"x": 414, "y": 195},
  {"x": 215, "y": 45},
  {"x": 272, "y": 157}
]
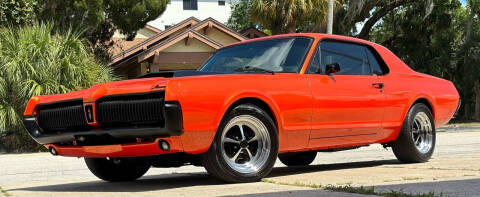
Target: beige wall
[
  {"x": 194, "y": 46},
  {"x": 220, "y": 37}
]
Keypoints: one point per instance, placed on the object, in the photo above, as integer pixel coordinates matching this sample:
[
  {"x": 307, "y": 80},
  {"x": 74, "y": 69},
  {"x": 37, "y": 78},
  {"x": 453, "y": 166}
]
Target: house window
[
  {"x": 190, "y": 4},
  {"x": 221, "y": 3},
  {"x": 167, "y": 26}
]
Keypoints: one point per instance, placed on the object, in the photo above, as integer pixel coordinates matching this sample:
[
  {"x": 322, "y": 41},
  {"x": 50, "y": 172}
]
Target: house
[
  {"x": 178, "y": 10},
  {"x": 252, "y": 32},
  {"x": 186, "y": 45}
]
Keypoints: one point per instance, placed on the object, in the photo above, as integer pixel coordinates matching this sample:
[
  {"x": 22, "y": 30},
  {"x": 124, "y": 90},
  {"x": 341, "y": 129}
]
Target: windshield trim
[{"x": 311, "y": 39}]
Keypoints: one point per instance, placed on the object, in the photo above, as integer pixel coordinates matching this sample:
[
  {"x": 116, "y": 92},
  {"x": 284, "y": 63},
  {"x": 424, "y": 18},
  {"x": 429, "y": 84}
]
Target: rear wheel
[
  {"x": 118, "y": 169},
  {"x": 298, "y": 159},
  {"x": 245, "y": 147},
  {"x": 416, "y": 141}
]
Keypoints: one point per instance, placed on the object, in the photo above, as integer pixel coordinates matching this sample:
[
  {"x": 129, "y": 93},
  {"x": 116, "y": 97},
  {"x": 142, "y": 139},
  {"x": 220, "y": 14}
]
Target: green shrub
[{"x": 35, "y": 60}]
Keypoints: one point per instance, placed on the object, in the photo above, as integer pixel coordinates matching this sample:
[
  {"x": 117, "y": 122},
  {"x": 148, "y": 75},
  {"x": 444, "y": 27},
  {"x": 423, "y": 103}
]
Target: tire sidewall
[
  {"x": 407, "y": 131},
  {"x": 247, "y": 109}
]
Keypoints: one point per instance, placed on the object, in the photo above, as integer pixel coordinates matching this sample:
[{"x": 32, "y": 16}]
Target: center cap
[{"x": 244, "y": 144}]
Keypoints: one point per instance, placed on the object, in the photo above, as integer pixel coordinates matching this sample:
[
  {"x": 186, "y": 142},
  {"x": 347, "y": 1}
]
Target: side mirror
[{"x": 332, "y": 68}]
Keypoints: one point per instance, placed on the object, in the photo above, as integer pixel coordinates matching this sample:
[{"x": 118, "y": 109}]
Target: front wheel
[
  {"x": 416, "y": 140},
  {"x": 117, "y": 169},
  {"x": 245, "y": 147}
]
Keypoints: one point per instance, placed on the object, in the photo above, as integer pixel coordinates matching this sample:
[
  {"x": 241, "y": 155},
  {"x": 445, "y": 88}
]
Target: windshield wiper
[{"x": 253, "y": 69}]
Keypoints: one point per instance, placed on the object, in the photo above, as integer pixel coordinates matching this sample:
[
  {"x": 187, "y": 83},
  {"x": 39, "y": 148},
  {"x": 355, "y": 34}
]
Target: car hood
[{"x": 145, "y": 83}]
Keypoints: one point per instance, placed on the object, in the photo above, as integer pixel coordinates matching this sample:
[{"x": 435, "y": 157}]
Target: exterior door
[{"x": 348, "y": 105}]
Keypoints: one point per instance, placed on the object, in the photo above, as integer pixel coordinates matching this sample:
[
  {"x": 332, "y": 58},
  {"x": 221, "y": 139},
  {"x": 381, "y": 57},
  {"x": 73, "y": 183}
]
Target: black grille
[
  {"x": 131, "y": 109},
  {"x": 61, "y": 116}
]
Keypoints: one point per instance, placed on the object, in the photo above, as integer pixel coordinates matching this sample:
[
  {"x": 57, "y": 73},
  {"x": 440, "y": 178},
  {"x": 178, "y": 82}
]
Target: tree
[
  {"x": 239, "y": 18},
  {"x": 369, "y": 12},
  {"x": 17, "y": 12},
  {"x": 36, "y": 60},
  {"x": 445, "y": 44},
  {"x": 282, "y": 16},
  {"x": 101, "y": 18}
]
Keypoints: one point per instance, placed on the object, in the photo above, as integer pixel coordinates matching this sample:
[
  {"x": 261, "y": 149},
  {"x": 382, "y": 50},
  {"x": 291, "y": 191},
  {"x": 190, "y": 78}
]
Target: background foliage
[
  {"x": 37, "y": 60},
  {"x": 437, "y": 37}
]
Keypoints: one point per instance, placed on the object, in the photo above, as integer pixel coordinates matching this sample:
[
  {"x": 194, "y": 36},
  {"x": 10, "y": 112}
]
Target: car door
[{"x": 348, "y": 105}]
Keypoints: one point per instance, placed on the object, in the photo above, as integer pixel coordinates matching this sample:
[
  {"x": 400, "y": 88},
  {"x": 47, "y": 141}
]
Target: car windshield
[{"x": 285, "y": 55}]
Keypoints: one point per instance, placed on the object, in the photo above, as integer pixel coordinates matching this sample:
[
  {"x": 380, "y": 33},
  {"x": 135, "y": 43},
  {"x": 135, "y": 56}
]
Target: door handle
[{"x": 378, "y": 85}]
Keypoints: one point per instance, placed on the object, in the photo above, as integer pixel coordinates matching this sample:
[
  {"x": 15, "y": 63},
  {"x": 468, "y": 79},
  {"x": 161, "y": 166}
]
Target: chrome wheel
[
  {"x": 422, "y": 134},
  {"x": 245, "y": 144}
]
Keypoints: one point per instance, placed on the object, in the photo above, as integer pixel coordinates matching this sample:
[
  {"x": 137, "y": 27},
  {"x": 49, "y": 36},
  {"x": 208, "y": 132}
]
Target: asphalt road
[{"x": 453, "y": 171}]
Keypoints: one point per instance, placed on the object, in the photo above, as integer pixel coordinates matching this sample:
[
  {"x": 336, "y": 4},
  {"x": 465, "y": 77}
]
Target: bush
[{"x": 35, "y": 60}]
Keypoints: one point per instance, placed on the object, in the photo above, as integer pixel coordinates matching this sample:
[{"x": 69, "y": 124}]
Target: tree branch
[{"x": 364, "y": 34}]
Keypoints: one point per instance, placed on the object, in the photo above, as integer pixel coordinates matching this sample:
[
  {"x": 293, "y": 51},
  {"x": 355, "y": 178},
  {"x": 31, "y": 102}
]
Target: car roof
[{"x": 317, "y": 36}]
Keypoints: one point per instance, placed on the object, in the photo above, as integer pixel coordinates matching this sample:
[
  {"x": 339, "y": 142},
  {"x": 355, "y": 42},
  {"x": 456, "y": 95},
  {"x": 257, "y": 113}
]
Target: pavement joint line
[
  {"x": 434, "y": 168},
  {"x": 368, "y": 190}
]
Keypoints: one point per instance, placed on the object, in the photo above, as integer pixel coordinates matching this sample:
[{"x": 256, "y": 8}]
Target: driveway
[{"x": 453, "y": 171}]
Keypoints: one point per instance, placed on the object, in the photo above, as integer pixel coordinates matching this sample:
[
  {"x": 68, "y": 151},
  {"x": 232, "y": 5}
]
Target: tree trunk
[
  {"x": 330, "y": 17},
  {"x": 477, "y": 100}
]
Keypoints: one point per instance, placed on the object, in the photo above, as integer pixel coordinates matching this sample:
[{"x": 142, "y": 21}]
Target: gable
[{"x": 194, "y": 45}]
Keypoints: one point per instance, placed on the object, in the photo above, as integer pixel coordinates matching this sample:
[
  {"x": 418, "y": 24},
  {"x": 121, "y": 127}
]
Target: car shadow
[
  {"x": 284, "y": 171},
  {"x": 180, "y": 180}
]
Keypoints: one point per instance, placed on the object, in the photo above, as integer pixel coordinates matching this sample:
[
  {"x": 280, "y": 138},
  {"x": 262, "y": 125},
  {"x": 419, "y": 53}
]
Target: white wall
[{"x": 206, "y": 8}]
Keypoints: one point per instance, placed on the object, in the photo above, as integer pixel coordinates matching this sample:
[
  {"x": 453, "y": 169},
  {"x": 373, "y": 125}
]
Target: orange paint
[{"x": 312, "y": 111}]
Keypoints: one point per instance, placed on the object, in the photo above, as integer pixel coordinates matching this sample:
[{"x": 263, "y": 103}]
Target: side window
[
  {"x": 315, "y": 66},
  {"x": 352, "y": 58},
  {"x": 374, "y": 63}
]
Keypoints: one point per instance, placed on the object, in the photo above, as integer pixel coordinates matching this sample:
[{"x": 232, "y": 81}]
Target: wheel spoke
[
  {"x": 254, "y": 138},
  {"x": 416, "y": 124},
  {"x": 250, "y": 157},
  {"x": 230, "y": 140},
  {"x": 417, "y": 140},
  {"x": 241, "y": 132},
  {"x": 234, "y": 158}
]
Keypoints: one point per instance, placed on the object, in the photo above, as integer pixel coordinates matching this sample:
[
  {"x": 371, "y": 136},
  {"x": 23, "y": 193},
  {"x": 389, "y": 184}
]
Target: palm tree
[
  {"x": 34, "y": 60},
  {"x": 286, "y": 16}
]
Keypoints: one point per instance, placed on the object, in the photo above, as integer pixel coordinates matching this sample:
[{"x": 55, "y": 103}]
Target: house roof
[
  {"x": 152, "y": 28},
  {"x": 190, "y": 28},
  {"x": 252, "y": 32},
  {"x": 189, "y": 34},
  {"x": 210, "y": 22},
  {"x": 156, "y": 38}
]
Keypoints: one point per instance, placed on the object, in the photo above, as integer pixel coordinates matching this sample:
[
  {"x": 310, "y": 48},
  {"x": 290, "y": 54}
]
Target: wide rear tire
[
  {"x": 298, "y": 159},
  {"x": 245, "y": 146},
  {"x": 416, "y": 141},
  {"x": 116, "y": 170}
]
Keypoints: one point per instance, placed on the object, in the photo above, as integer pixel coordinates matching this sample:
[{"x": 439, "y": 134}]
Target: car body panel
[{"x": 311, "y": 112}]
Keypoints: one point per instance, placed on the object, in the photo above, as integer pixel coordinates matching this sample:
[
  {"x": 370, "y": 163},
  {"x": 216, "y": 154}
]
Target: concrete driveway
[{"x": 453, "y": 171}]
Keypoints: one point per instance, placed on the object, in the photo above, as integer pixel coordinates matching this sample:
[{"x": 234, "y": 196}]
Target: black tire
[
  {"x": 116, "y": 170},
  {"x": 298, "y": 159},
  {"x": 404, "y": 147},
  {"x": 215, "y": 163}
]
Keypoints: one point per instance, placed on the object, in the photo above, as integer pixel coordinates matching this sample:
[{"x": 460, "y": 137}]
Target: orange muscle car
[{"x": 288, "y": 96}]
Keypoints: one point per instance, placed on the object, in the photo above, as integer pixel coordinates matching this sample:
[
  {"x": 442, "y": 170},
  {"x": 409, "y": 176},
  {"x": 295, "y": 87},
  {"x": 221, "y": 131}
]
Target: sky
[{"x": 464, "y": 2}]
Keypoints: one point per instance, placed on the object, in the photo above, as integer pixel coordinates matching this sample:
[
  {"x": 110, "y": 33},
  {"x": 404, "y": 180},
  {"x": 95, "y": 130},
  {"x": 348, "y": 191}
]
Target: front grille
[
  {"x": 62, "y": 115},
  {"x": 133, "y": 109}
]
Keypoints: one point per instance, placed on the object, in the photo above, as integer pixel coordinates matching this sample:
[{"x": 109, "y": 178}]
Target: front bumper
[{"x": 173, "y": 127}]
